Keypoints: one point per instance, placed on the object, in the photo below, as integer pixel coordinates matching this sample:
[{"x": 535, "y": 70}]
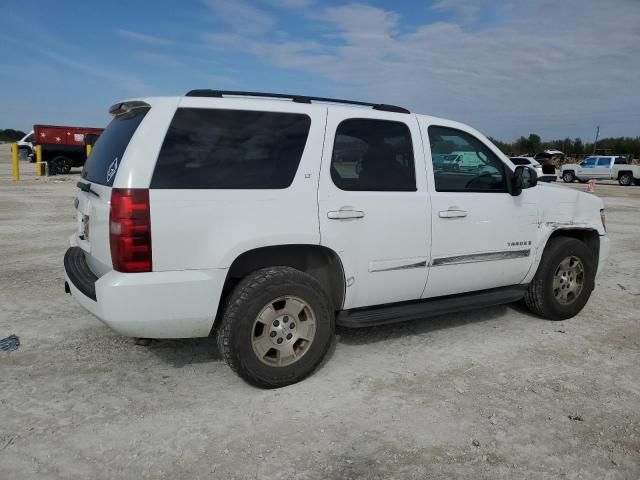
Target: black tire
[
  {"x": 540, "y": 298},
  {"x": 249, "y": 297},
  {"x": 637, "y": 182},
  {"x": 568, "y": 177},
  {"x": 625, "y": 179},
  {"x": 61, "y": 165}
]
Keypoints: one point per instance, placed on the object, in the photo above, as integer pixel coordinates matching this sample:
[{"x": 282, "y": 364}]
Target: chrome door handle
[
  {"x": 452, "y": 213},
  {"x": 345, "y": 213}
]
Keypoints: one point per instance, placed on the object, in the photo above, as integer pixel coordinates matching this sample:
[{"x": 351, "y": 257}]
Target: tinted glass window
[
  {"x": 620, "y": 161},
  {"x": 227, "y": 149},
  {"x": 103, "y": 163},
  {"x": 604, "y": 162},
  {"x": 474, "y": 168},
  {"x": 520, "y": 161},
  {"x": 589, "y": 162},
  {"x": 373, "y": 155}
]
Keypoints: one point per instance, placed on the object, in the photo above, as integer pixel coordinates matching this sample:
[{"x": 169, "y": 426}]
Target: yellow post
[
  {"x": 39, "y": 160},
  {"x": 14, "y": 160},
  {"x": 89, "y": 148}
]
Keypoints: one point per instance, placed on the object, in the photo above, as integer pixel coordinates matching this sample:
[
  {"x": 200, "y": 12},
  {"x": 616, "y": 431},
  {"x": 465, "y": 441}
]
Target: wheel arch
[
  {"x": 590, "y": 237},
  {"x": 318, "y": 261}
]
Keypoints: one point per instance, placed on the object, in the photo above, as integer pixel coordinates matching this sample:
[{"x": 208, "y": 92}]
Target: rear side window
[
  {"x": 604, "y": 162},
  {"x": 103, "y": 163},
  {"x": 231, "y": 149},
  {"x": 373, "y": 155}
]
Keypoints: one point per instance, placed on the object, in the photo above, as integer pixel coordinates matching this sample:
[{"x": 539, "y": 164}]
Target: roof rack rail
[{"x": 296, "y": 98}]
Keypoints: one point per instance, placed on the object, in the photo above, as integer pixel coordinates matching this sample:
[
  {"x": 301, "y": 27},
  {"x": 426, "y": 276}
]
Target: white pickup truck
[
  {"x": 267, "y": 219},
  {"x": 608, "y": 167}
]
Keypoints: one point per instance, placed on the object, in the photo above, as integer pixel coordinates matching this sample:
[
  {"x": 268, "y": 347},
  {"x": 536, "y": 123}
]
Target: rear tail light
[{"x": 130, "y": 230}]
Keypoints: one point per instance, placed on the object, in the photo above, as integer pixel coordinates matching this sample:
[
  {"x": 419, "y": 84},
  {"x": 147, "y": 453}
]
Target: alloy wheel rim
[
  {"x": 568, "y": 280},
  {"x": 283, "y": 331}
]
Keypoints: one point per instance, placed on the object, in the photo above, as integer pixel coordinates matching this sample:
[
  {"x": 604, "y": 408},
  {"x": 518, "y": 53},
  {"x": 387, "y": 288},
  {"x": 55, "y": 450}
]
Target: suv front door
[
  {"x": 482, "y": 236},
  {"x": 373, "y": 205}
]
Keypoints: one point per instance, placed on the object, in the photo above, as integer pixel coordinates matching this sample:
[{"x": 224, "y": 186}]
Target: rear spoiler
[{"x": 127, "y": 107}]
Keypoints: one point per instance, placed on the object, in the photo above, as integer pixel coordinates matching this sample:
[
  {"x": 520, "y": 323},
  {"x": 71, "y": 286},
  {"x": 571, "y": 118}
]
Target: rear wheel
[
  {"x": 276, "y": 328},
  {"x": 564, "y": 280},
  {"x": 625, "y": 179},
  {"x": 568, "y": 177},
  {"x": 61, "y": 164}
]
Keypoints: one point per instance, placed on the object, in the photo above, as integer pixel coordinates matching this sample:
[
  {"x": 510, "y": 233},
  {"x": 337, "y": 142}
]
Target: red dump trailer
[{"x": 64, "y": 147}]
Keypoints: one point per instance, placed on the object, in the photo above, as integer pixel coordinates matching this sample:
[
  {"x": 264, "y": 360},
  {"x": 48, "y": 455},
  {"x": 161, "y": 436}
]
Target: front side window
[
  {"x": 475, "y": 167},
  {"x": 373, "y": 155},
  {"x": 604, "y": 162},
  {"x": 231, "y": 149},
  {"x": 589, "y": 162}
]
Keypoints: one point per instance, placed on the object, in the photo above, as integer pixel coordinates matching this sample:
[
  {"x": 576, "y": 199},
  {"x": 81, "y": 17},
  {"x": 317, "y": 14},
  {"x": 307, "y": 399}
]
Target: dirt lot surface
[{"x": 483, "y": 394}]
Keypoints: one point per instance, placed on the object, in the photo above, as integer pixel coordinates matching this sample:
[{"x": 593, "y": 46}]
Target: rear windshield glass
[
  {"x": 231, "y": 149},
  {"x": 103, "y": 163}
]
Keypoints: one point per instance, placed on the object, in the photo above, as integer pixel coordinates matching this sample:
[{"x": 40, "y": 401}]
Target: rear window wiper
[{"x": 86, "y": 187}]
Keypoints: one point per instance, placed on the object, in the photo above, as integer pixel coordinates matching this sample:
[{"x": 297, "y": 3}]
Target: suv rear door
[{"x": 373, "y": 204}]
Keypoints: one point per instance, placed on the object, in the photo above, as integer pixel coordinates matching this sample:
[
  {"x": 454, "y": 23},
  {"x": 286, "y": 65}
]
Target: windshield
[{"x": 102, "y": 165}]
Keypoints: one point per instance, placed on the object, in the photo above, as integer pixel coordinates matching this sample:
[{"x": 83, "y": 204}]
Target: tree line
[
  {"x": 573, "y": 147},
  {"x": 11, "y": 135}
]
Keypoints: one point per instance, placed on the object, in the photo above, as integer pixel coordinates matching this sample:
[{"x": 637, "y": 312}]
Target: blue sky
[{"x": 508, "y": 68}]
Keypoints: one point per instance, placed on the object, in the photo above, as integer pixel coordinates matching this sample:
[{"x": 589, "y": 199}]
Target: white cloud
[
  {"x": 241, "y": 16},
  {"x": 546, "y": 65},
  {"x": 142, "y": 37},
  {"x": 289, "y": 3},
  {"x": 158, "y": 59}
]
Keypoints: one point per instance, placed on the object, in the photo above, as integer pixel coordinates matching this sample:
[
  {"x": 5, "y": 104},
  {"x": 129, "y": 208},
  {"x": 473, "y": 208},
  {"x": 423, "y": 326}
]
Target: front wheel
[
  {"x": 568, "y": 177},
  {"x": 564, "y": 280},
  {"x": 276, "y": 328},
  {"x": 625, "y": 179}
]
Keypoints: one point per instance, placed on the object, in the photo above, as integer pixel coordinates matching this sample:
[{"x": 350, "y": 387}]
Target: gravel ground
[{"x": 493, "y": 393}]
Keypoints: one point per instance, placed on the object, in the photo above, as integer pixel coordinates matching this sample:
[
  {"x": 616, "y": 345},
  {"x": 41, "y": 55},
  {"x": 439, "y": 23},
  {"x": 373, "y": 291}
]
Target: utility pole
[{"x": 595, "y": 144}]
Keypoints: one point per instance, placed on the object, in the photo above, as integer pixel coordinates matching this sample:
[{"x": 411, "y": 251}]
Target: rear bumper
[{"x": 176, "y": 304}]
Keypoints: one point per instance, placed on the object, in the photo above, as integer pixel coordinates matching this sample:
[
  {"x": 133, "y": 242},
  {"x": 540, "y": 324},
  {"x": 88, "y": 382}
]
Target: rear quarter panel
[{"x": 209, "y": 228}]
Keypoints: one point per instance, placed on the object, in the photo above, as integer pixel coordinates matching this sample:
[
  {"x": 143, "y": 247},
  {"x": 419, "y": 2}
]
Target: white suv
[{"x": 267, "y": 219}]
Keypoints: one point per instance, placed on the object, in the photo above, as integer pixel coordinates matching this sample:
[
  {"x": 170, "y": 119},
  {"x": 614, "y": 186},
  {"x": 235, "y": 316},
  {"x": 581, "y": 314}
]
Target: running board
[{"x": 414, "y": 310}]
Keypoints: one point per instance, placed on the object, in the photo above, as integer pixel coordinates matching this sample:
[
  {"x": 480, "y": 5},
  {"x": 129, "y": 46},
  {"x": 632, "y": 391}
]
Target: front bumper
[
  {"x": 175, "y": 304},
  {"x": 605, "y": 249}
]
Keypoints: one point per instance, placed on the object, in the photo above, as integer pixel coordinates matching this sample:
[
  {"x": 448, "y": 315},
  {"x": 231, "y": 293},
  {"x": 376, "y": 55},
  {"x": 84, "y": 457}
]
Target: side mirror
[{"x": 523, "y": 177}]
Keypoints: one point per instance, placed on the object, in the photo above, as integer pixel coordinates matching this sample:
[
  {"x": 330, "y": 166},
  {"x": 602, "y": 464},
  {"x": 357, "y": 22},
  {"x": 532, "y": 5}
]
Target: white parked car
[
  {"x": 609, "y": 167},
  {"x": 25, "y": 145},
  {"x": 532, "y": 162},
  {"x": 266, "y": 220}
]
